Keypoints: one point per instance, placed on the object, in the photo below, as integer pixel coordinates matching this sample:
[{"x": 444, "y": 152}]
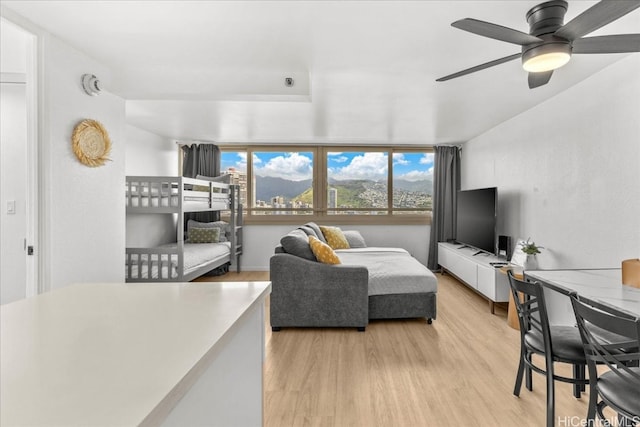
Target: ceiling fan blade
[
  {"x": 480, "y": 67},
  {"x": 622, "y": 43},
  {"x": 495, "y": 31},
  {"x": 539, "y": 79},
  {"x": 595, "y": 17}
]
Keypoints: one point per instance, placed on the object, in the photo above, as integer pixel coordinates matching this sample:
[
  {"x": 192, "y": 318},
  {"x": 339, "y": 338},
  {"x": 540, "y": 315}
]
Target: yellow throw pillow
[
  {"x": 335, "y": 237},
  {"x": 323, "y": 252}
]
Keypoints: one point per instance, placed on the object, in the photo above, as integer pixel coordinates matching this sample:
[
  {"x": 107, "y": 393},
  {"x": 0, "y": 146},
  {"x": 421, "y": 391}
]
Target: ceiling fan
[{"x": 550, "y": 42}]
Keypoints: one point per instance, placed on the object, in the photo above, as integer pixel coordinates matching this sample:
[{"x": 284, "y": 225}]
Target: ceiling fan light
[
  {"x": 546, "y": 62},
  {"x": 546, "y": 57}
]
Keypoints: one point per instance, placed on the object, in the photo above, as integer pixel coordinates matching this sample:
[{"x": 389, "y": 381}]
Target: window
[
  {"x": 412, "y": 182},
  {"x": 349, "y": 184},
  {"x": 357, "y": 182},
  {"x": 235, "y": 164},
  {"x": 282, "y": 183}
]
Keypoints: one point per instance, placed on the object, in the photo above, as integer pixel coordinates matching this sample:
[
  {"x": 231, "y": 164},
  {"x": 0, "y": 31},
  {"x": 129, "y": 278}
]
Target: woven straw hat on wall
[{"x": 91, "y": 143}]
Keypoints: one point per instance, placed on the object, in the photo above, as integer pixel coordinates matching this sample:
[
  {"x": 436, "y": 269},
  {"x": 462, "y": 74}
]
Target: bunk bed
[{"x": 183, "y": 261}]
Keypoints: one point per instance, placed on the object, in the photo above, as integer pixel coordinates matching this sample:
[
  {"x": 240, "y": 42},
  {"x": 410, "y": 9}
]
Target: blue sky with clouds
[{"x": 341, "y": 165}]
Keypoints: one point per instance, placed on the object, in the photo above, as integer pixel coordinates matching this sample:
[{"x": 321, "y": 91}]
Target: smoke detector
[{"x": 91, "y": 84}]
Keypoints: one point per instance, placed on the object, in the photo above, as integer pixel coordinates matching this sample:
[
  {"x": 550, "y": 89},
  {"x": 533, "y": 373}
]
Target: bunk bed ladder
[
  {"x": 236, "y": 226},
  {"x": 180, "y": 229}
]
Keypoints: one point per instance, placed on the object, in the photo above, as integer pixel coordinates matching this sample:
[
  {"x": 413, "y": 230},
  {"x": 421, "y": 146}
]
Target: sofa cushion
[
  {"x": 334, "y": 237},
  {"x": 354, "y": 238},
  {"x": 308, "y": 230},
  {"x": 323, "y": 252},
  {"x": 316, "y": 229},
  {"x": 297, "y": 243}
]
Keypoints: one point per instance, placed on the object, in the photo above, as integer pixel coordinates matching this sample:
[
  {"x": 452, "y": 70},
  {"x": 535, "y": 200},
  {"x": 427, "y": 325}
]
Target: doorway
[{"x": 18, "y": 164}]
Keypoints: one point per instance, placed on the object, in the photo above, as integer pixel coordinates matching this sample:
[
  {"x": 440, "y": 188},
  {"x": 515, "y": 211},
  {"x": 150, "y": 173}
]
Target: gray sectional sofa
[{"x": 369, "y": 283}]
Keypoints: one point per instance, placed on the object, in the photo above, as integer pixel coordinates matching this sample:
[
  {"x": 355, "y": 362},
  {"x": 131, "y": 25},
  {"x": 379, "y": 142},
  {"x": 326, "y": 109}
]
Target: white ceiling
[{"x": 364, "y": 70}]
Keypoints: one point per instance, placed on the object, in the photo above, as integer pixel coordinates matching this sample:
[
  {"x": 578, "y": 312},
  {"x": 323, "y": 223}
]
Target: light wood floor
[{"x": 459, "y": 371}]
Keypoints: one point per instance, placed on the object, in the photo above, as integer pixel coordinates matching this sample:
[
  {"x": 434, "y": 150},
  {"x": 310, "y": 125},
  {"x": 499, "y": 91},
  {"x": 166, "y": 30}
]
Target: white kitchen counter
[{"x": 134, "y": 354}]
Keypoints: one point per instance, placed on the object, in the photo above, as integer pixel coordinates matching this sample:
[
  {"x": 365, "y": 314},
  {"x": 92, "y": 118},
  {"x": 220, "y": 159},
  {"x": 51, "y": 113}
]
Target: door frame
[{"x": 36, "y": 169}]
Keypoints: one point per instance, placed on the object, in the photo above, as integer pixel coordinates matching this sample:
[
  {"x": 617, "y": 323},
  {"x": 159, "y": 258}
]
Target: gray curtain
[
  {"x": 201, "y": 159},
  {"x": 446, "y": 183}
]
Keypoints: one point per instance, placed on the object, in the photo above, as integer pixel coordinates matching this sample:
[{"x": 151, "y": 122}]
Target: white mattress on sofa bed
[
  {"x": 369, "y": 249},
  {"x": 391, "y": 270}
]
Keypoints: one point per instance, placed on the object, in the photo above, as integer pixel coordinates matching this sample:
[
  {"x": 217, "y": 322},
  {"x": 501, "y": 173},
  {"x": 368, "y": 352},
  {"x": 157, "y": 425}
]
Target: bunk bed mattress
[{"x": 196, "y": 255}]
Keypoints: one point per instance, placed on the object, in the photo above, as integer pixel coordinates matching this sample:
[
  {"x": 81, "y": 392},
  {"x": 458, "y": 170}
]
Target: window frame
[{"x": 320, "y": 187}]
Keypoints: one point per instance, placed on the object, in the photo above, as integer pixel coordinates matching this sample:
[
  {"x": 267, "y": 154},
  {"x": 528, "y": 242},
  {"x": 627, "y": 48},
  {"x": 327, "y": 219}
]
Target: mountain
[
  {"x": 348, "y": 193},
  {"x": 401, "y": 184},
  {"x": 267, "y": 187}
]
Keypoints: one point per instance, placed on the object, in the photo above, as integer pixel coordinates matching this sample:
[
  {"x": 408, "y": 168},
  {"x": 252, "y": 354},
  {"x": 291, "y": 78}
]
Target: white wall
[
  {"x": 153, "y": 155},
  {"x": 568, "y": 171},
  {"x": 260, "y": 240},
  {"x": 83, "y": 207},
  {"x": 149, "y": 154}
]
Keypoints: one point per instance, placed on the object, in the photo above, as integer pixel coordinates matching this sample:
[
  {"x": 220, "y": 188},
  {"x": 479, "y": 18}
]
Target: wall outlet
[{"x": 11, "y": 207}]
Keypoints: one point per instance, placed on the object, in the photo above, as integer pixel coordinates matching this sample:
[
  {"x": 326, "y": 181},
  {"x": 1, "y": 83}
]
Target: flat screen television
[{"x": 476, "y": 218}]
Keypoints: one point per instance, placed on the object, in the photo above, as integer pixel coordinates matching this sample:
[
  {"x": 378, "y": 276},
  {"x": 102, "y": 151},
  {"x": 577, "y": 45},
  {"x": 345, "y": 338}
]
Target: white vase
[{"x": 531, "y": 263}]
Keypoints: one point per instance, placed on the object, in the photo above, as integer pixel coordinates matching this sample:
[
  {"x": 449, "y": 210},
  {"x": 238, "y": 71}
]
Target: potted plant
[{"x": 531, "y": 249}]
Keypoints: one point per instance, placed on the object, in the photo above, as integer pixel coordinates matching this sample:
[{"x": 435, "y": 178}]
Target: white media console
[{"x": 474, "y": 268}]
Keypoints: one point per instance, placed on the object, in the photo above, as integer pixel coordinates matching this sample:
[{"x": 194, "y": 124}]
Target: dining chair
[
  {"x": 610, "y": 337},
  {"x": 555, "y": 343},
  {"x": 631, "y": 272}
]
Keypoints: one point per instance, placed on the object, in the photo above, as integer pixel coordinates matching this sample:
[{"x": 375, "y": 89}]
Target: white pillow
[
  {"x": 224, "y": 179},
  {"x": 354, "y": 238}
]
